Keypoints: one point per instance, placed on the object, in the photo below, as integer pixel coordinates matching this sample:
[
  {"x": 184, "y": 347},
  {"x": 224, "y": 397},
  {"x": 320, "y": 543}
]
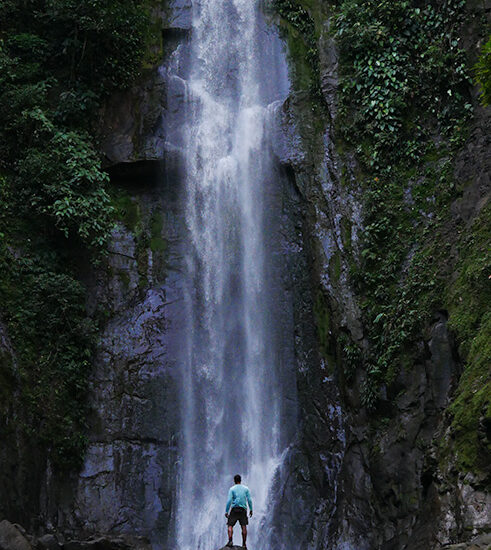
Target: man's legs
[
  {"x": 230, "y": 530},
  {"x": 244, "y": 535}
]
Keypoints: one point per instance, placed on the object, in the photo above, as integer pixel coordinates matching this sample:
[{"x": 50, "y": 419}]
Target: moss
[
  {"x": 323, "y": 323},
  {"x": 482, "y": 70},
  {"x": 468, "y": 299},
  {"x": 154, "y": 46},
  {"x": 301, "y": 24},
  {"x": 472, "y": 403},
  {"x": 335, "y": 267},
  {"x": 156, "y": 224},
  {"x": 142, "y": 246},
  {"x": 469, "y": 295},
  {"x": 124, "y": 278},
  {"x": 346, "y": 234},
  {"x": 157, "y": 14},
  {"x": 157, "y": 242},
  {"x": 127, "y": 209},
  {"x": 303, "y": 73}
]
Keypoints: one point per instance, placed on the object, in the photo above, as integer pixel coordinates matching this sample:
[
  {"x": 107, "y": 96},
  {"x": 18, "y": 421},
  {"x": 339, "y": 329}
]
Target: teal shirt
[{"x": 238, "y": 495}]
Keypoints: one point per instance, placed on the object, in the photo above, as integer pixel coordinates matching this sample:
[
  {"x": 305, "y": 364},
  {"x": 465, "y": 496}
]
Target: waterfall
[{"x": 231, "y": 389}]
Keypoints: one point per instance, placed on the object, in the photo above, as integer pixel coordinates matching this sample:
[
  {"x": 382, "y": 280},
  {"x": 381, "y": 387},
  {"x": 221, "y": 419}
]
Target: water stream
[{"x": 231, "y": 385}]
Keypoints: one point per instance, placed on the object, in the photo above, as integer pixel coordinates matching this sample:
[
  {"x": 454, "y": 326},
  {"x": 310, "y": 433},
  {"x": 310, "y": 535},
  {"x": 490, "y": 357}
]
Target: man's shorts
[{"x": 237, "y": 514}]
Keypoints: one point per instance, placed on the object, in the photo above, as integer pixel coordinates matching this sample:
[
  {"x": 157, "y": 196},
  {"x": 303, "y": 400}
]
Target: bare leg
[
  {"x": 230, "y": 530},
  {"x": 244, "y": 535}
]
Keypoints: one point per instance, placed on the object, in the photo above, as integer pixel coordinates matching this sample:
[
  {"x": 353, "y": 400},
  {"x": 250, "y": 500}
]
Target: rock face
[
  {"x": 48, "y": 542},
  {"x": 128, "y": 479},
  {"x": 128, "y": 482},
  {"x": 352, "y": 483},
  {"x": 477, "y": 543}
]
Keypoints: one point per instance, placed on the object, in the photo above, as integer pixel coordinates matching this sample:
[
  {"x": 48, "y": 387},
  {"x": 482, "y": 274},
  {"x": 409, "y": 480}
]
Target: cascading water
[{"x": 231, "y": 392}]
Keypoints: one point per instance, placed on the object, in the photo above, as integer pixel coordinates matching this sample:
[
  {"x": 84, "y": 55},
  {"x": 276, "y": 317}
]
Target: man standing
[{"x": 239, "y": 497}]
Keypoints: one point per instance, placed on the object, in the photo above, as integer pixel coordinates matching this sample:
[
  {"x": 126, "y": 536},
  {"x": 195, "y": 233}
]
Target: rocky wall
[{"x": 359, "y": 480}]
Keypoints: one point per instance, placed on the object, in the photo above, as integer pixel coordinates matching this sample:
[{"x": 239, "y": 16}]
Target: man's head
[{"x": 237, "y": 479}]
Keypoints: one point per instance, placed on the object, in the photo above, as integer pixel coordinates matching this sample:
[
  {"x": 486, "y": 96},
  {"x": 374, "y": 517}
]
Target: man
[{"x": 239, "y": 497}]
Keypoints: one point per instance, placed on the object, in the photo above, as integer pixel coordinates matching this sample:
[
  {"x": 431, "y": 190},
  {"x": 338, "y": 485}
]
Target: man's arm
[
  {"x": 229, "y": 501},
  {"x": 249, "y": 500}
]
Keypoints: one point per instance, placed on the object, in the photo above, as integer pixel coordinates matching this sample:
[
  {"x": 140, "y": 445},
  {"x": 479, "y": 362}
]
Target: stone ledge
[{"x": 481, "y": 542}]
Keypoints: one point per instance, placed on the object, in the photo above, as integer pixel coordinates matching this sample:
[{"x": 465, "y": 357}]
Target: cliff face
[
  {"x": 127, "y": 479},
  {"x": 386, "y": 473}
]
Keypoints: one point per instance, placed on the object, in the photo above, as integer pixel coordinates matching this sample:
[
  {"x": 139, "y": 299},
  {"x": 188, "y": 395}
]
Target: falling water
[{"x": 231, "y": 397}]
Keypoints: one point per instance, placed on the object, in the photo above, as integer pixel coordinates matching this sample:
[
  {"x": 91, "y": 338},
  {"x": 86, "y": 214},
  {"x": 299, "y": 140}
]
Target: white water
[{"x": 231, "y": 397}]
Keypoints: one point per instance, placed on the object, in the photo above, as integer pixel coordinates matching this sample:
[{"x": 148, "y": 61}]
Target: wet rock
[
  {"x": 481, "y": 542},
  {"x": 442, "y": 367},
  {"x": 128, "y": 476},
  {"x": 109, "y": 543},
  {"x": 11, "y": 537},
  {"x": 181, "y": 15},
  {"x": 130, "y": 120},
  {"x": 48, "y": 542}
]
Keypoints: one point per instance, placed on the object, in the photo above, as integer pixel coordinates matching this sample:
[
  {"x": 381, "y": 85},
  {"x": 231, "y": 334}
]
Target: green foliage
[
  {"x": 352, "y": 358},
  {"x": 369, "y": 392},
  {"x": 59, "y": 60},
  {"x": 44, "y": 309},
  {"x": 482, "y": 71},
  {"x": 399, "y": 293},
  {"x": 126, "y": 209},
  {"x": 60, "y": 176},
  {"x": 97, "y": 43},
  {"x": 403, "y": 75},
  {"x": 403, "y": 106}
]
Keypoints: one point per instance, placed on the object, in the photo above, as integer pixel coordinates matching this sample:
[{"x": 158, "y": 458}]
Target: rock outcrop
[
  {"x": 12, "y": 537},
  {"x": 358, "y": 482},
  {"x": 482, "y": 542},
  {"x": 15, "y": 537}
]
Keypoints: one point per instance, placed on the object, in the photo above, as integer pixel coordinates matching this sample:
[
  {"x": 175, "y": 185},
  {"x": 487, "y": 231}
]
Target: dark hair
[{"x": 237, "y": 478}]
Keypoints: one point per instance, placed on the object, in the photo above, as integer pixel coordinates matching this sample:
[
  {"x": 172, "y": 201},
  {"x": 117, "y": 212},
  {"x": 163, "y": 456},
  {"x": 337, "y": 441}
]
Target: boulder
[
  {"x": 100, "y": 543},
  {"x": 48, "y": 542},
  {"x": 484, "y": 540},
  {"x": 481, "y": 542},
  {"x": 11, "y": 537},
  {"x": 109, "y": 543}
]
